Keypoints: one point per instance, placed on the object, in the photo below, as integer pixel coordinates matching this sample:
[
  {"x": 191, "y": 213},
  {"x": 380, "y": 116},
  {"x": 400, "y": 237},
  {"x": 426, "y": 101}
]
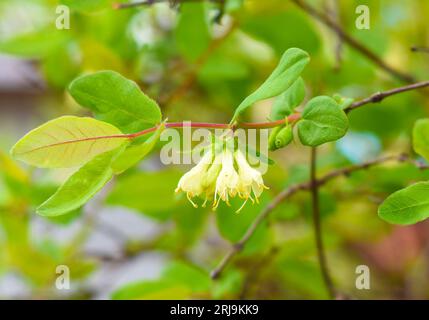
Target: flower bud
[
  {"x": 272, "y": 138},
  {"x": 280, "y": 137},
  {"x": 284, "y": 137}
]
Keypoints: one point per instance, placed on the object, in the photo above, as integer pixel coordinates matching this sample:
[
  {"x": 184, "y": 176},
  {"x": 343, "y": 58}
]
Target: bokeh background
[{"x": 199, "y": 59}]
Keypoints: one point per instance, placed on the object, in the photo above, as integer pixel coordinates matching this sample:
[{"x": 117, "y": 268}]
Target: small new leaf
[
  {"x": 66, "y": 142},
  {"x": 284, "y": 75},
  {"x": 406, "y": 206},
  {"x": 322, "y": 121}
]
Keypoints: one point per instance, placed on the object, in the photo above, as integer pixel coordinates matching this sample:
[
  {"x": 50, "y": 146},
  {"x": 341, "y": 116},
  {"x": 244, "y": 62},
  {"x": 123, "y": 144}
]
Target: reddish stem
[{"x": 245, "y": 125}]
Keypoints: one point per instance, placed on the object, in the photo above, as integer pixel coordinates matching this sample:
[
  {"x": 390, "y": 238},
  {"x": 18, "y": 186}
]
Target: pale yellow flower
[
  {"x": 192, "y": 182},
  {"x": 209, "y": 181},
  {"x": 227, "y": 181},
  {"x": 250, "y": 179},
  {"x": 220, "y": 177}
]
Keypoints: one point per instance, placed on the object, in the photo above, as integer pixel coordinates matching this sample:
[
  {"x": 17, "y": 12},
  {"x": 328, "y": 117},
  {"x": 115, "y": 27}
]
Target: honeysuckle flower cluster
[{"x": 220, "y": 176}]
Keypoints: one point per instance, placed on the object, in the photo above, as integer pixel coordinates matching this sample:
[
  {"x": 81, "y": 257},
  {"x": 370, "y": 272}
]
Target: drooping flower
[
  {"x": 192, "y": 182},
  {"x": 250, "y": 179},
  {"x": 209, "y": 180},
  {"x": 228, "y": 180},
  {"x": 220, "y": 176}
]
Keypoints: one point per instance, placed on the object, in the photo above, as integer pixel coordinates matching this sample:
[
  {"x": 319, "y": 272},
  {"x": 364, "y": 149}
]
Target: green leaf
[
  {"x": 116, "y": 100},
  {"x": 289, "y": 100},
  {"x": 86, "y": 5},
  {"x": 135, "y": 153},
  {"x": 81, "y": 186},
  {"x": 67, "y": 141},
  {"x": 284, "y": 75},
  {"x": 322, "y": 121},
  {"x": 421, "y": 137},
  {"x": 406, "y": 206},
  {"x": 152, "y": 193},
  {"x": 192, "y": 30}
]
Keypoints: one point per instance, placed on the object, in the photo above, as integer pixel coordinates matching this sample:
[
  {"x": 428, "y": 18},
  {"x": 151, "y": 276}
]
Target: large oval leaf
[
  {"x": 322, "y": 121},
  {"x": 406, "y": 206},
  {"x": 67, "y": 141},
  {"x": 117, "y": 100}
]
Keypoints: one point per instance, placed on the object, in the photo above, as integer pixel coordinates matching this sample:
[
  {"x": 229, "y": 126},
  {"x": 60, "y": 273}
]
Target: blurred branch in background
[
  {"x": 320, "y": 249},
  {"x": 291, "y": 190},
  {"x": 377, "y": 97},
  {"x": 326, "y": 20}
]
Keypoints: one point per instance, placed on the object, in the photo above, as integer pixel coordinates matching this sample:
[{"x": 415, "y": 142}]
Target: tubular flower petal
[
  {"x": 250, "y": 179},
  {"x": 228, "y": 180},
  {"x": 209, "y": 180},
  {"x": 192, "y": 182},
  {"x": 222, "y": 176}
]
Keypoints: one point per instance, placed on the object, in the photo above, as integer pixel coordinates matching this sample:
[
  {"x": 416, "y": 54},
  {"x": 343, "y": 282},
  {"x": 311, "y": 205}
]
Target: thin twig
[
  {"x": 325, "y": 19},
  {"x": 380, "y": 96},
  {"x": 288, "y": 192},
  {"x": 321, "y": 256}
]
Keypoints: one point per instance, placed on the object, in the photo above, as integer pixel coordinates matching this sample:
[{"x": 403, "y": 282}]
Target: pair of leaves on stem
[
  {"x": 322, "y": 120},
  {"x": 411, "y": 204},
  {"x": 100, "y": 148}
]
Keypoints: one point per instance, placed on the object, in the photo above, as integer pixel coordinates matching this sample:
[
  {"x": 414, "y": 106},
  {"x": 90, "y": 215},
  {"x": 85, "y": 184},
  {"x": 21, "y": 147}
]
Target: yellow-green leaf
[
  {"x": 81, "y": 186},
  {"x": 67, "y": 141}
]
